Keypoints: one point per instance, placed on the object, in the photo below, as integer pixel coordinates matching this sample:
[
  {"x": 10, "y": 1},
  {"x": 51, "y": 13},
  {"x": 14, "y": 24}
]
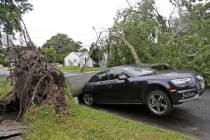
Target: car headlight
[
  {"x": 200, "y": 77},
  {"x": 181, "y": 81}
]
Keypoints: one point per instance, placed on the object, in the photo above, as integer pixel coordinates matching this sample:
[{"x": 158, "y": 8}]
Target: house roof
[{"x": 78, "y": 53}]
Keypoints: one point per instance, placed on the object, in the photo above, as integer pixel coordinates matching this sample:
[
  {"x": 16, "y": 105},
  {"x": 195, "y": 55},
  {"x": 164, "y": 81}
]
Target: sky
[{"x": 76, "y": 18}]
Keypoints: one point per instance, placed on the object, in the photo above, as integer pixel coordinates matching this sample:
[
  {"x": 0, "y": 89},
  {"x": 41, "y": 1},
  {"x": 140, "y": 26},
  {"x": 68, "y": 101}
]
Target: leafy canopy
[
  {"x": 62, "y": 45},
  {"x": 11, "y": 12}
]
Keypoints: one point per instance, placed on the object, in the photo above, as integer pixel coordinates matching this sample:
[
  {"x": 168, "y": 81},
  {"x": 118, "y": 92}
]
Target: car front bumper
[{"x": 186, "y": 95}]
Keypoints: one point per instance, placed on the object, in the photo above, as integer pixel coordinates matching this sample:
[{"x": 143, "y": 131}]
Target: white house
[{"x": 78, "y": 59}]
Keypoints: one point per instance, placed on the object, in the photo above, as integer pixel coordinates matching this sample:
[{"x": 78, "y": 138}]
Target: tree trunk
[
  {"x": 131, "y": 49},
  {"x": 83, "y": 67}
]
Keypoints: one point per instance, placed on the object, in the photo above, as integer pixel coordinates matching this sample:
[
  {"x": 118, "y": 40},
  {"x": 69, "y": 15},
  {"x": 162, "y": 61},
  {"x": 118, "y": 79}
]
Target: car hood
[{"x": 169, "y": 74}]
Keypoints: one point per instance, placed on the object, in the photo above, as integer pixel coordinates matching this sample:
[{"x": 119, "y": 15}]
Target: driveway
[{"x": 191, "y": 117}]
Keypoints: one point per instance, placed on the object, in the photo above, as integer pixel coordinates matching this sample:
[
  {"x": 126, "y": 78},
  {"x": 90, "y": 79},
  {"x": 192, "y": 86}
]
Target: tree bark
[{"x": 131, "y": 49}]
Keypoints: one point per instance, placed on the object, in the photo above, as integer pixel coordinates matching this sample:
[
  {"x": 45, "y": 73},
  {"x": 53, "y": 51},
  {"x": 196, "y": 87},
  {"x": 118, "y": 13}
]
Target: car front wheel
[
  {"x": 159, "y": 103},
  {"x": 88, "y": 99}
]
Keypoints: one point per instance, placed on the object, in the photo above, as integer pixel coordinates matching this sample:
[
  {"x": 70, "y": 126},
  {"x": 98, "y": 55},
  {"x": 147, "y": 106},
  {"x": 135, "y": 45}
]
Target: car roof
[
  {"x": 125, "y": 66},
  {"x": 151, "y": 66},
  {"x": 133, "y": 65}
]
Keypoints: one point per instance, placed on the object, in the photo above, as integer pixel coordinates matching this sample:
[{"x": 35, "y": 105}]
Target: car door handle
[{"x": 110, "y": 86}]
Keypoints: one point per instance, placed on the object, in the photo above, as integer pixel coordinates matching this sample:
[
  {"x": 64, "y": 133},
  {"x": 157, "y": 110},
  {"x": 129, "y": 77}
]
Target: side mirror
[{"x": 123, "y": 77}]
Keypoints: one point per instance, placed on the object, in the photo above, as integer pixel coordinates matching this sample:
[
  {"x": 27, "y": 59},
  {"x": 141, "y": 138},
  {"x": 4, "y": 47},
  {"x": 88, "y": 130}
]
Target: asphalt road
[
  {"x": 192, "y": 117},
  {"x": 5, "y": 73}
]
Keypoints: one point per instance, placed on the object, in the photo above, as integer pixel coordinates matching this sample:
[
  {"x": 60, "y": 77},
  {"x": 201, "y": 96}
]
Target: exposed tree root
[{"x": 36, "y": 83}]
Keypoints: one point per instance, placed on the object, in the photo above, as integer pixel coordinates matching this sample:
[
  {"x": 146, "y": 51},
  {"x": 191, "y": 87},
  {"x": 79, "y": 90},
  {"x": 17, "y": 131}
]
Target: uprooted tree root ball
[{"x": 36, "y": 83}]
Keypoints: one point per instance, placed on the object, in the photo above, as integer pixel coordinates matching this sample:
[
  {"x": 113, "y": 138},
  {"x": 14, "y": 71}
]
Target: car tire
[
  {"x": 87, "y": 99},
  {"x": 159, "y": 103}
]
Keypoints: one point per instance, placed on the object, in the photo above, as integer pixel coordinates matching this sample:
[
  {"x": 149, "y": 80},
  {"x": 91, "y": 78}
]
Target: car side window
[
  {"x": 111, "y": 75},
  {"x": 95, "y": 78},
  {"x": 99, "y": 77},
  {"x": 115, "y": 74},
  {"x": 102, "y": 77}
]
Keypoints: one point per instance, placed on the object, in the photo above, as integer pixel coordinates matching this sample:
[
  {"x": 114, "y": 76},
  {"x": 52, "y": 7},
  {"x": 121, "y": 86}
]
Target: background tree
[
  {"x": 63, "y": 45},
  {"x": 97, "y": 54},
  {"x": 11, "y": 12},
  {"x": 50, "y": 53}
]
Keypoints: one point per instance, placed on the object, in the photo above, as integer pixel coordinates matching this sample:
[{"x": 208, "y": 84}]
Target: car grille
[
  {"x": 196, "y": 80},
  {"x": 188, "y": 95},
  {"x": 199, "y": 83}
]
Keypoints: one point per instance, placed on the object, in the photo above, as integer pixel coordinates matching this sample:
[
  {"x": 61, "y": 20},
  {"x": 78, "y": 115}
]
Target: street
[
  {"x": 192, "y": 117},
  {"x": 5, "y": 73}
]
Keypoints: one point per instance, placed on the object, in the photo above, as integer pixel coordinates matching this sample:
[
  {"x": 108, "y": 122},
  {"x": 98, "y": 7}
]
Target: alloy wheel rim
[
  {"x": 88, "y": 99},
  {"x": 158, "y": 104}
]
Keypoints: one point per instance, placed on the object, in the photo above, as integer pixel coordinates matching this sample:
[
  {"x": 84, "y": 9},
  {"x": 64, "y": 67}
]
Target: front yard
[
  {"x": 89, "y": 124},
  {"x": 77, "y": 69}
]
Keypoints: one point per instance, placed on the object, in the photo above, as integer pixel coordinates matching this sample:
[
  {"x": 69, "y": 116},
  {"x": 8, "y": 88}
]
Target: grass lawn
[
  {"x": 87, "y": 124},
  {"x": 77, "y": 69},
  {"x": 5, "y": 87},
  {"x": 90, "y": 124}
]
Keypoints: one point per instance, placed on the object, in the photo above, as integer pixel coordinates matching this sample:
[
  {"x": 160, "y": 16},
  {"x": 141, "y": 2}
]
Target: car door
[
  {"x": 119, "y": 91},
  {"x": 100, "y": 88}
]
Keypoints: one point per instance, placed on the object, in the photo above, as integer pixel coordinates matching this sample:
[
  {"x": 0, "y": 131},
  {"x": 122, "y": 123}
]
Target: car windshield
[{"x": 139, "y": 71}]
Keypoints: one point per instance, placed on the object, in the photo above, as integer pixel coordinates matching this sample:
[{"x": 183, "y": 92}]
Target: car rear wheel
[
  {"x": 159, "y": 103},
  {"x": 88, "y": 99}
]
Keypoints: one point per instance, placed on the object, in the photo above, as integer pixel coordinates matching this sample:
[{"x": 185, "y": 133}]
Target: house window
[{"x": 75, "y": 60}]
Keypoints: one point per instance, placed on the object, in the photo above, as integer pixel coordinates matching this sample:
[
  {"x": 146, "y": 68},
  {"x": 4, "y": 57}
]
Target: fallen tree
[
  {"x": 36, "y": 83},
  {"x": 78, "y": 82}
]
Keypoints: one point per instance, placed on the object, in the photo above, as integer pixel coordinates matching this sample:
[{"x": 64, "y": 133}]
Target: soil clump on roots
[{"x": 36, "y": 83}]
